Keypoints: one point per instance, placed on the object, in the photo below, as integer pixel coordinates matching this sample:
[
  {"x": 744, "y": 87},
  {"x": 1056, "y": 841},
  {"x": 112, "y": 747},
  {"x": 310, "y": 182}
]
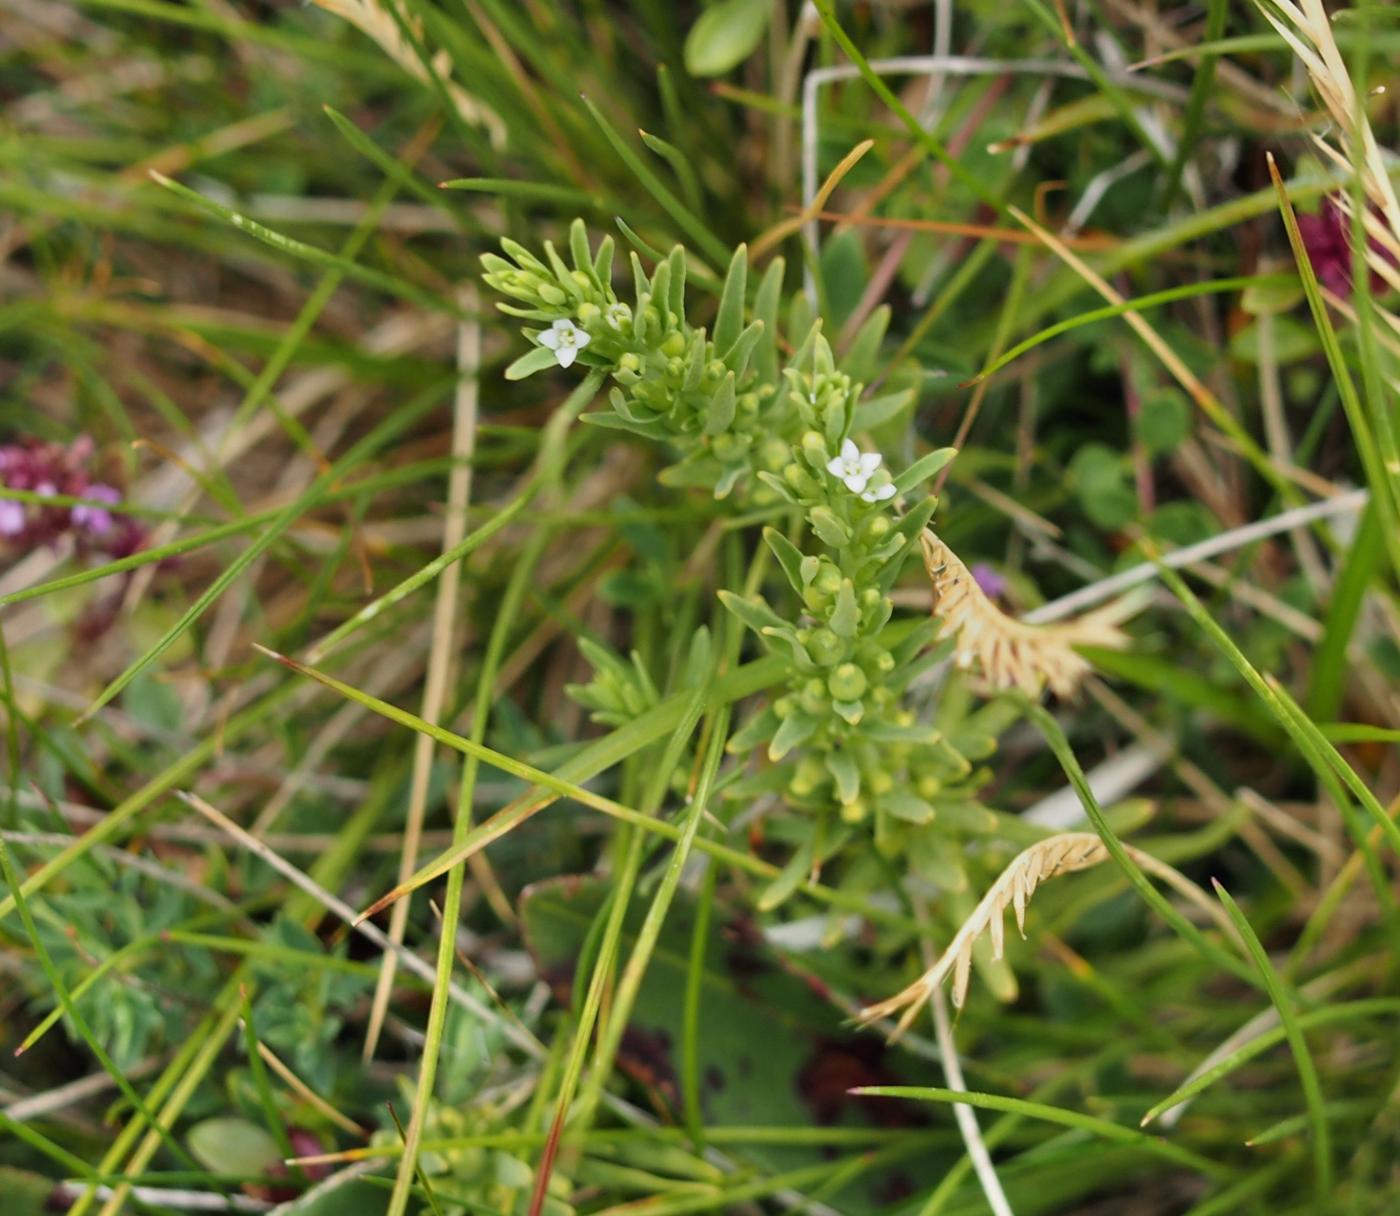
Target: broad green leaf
[
  {"x": 725, "y": 35},
  {"x": 230, "y": 1145}
]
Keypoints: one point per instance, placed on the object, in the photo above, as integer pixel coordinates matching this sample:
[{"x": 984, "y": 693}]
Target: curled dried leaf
[
  {"x": 1008, "y": 652},
  {"x": 1062, "y": 854}
]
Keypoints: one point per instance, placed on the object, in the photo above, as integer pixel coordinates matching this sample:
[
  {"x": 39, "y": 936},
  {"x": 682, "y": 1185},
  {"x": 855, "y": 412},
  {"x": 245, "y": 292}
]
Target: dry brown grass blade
[
  {"x": 1063, "y": 854},
  {"x": 1093, "y": 243},
  {"x": 785, "y": 228},
  {"x": 454, "y": 528},
  {"x": 1008, "y": 652},
  {"x": 373, "y": 19},
  {"x": 1307, "y": 28}
]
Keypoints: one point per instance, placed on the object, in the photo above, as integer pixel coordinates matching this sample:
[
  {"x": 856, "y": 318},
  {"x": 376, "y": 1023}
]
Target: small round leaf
[{"x": 725, "y": 35}]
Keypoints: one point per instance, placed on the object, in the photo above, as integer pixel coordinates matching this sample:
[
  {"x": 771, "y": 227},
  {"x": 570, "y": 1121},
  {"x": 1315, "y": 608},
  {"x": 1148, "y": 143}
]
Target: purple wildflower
[
  {"x": 50, "y": 470},
  {"x": 993, "y": 584},
  {"x": 96, "y": 521},
  {"x": 11, "y": 517},
  {"x": 1327, "y": 239}
]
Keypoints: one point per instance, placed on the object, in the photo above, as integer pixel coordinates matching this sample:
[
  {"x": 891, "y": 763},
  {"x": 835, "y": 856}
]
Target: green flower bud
[
  {"x": 783, "y": 706},
  {"x": 582, "y": 280},
  {"x": 808, "y": 777},
  {"x": 629, "y": 363},
  {"x": 882, "y": 660},
  {"x": 928, "y": 786},
  {"x": 551, "y": 294},
  {"x": 589, "y": 314},
  {"x": 880, "y": 782},
  {"x": 847, "y": 682},
  {"x": 877, "y": 527},
  {"x": 814, "y": 447},
  {"x": 869, "y": 597},
  {"x": 813, "y": 696},
  {"x": 855, "y": 811},
  {"x": 799, "y": 479},
  {"x": 828, "y": 579},
  {"x": 774, "y": 453},
  {"x": 825, "y": 647},
  {"x": 674, "y": 345}
]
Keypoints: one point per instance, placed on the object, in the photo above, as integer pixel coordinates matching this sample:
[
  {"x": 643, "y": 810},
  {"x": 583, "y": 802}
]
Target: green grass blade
[
  {"x": 1302, "y": 1057},
  {"x": 1051, "y": 1114}
]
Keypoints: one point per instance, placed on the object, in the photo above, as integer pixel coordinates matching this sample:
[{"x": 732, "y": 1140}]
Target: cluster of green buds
[
  {"x": 474, "y": 1178},
  {"x": 840, "y": 736},
  {"x": 673, "y": 382},
  {"x": 841, "y": 744}
]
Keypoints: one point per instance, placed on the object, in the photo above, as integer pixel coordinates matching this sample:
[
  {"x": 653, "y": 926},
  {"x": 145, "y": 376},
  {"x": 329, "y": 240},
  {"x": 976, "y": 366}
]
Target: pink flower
[
  {"x": 993, "y": 584},
  {"x": 96, "y": 521},
  {"x": 1327, "y": 239},
  {"x": 11, "y": 517},
  {"x": 50, "y": 470}
]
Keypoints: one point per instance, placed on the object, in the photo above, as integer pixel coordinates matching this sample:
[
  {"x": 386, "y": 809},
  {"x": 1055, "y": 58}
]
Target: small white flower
[
  {"x": 854, "y": 467},
  {"x": 617, "y": 314},
  {"x": 879, "y": 493},
  {"x": 565, "y": 339}
]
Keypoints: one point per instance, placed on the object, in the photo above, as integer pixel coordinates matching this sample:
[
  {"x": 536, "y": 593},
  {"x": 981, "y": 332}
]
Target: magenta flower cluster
[
  {"x": 55, "y": 469},
  {"x": 1327, "y": 238}
]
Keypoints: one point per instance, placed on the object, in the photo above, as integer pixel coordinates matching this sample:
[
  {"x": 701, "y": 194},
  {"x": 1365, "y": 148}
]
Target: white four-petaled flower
[
  {"x": 854, "y": 467},
  {"x": 565, "y": 339}
]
